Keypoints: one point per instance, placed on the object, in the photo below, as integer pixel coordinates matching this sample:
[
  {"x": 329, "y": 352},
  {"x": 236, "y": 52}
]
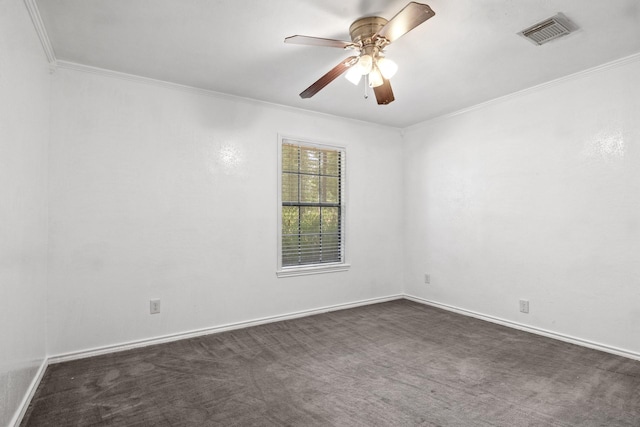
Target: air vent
[{"x": 549, "y": 29}]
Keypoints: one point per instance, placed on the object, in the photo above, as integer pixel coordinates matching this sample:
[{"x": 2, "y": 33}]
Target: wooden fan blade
[
  {"x": 384, "y": 93},
  {"x": 329, "y": 77},
  {"x": 406, "y": 20},
  {"x": 317, "y": 41}
]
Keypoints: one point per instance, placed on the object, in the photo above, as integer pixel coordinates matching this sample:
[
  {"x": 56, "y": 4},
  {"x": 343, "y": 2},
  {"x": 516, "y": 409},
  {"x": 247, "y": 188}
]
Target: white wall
[
  {"x": 164, "y": 193},
  {"x": 536, "y": 196},
  {"x": 24, "y": 119}
]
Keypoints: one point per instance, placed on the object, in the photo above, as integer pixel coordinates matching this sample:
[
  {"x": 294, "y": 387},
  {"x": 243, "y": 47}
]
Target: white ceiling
[{"x": 467, "y": 54}]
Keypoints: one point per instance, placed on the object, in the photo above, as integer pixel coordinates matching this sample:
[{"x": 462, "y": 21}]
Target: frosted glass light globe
[
  {"x": 375, "y": 78},
  {"x": 354, "y": 75},
  {"x": 365, "y": 63},
  {"x": 387, "y": 67}
]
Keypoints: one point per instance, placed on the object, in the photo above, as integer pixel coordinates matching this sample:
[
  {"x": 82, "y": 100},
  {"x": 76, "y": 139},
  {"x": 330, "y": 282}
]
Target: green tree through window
[{"x": 311, "y": 205}]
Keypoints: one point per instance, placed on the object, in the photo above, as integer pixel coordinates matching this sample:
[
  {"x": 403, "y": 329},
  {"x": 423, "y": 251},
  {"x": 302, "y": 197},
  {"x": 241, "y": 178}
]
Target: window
[{"x": 311, "y": 188}]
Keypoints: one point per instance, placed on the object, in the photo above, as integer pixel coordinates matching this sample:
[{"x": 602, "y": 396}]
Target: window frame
[{"x": 329, "y": 267}]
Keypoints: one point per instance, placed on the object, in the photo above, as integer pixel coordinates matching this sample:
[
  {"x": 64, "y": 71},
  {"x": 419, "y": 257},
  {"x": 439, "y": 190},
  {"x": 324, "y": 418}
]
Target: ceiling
[{"x": 467, "y": 54}]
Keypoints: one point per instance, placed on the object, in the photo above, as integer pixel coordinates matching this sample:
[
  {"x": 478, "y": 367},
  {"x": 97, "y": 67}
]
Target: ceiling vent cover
[{"x": 549, "y": 29}]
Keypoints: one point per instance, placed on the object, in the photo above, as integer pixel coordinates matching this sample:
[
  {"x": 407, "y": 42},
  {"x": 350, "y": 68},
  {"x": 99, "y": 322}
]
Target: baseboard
[
  {"x": 31, "y": 391},
  {"x": 527, "y": 328},
  {"x": 19, "y": 415},
  {"x": 97, "y": 351}
]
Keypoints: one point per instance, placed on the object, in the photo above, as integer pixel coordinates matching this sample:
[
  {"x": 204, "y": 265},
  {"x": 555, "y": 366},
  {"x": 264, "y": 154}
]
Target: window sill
[{"x": 316, "y": 269}]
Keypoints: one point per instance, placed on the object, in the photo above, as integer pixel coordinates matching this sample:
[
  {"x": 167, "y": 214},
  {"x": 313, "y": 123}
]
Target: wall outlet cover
[{"x": 154, "y": 306}]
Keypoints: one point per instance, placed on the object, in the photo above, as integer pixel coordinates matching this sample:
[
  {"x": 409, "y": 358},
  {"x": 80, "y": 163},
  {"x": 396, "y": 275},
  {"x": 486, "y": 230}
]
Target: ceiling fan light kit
[{"x": 369, "y": 37}]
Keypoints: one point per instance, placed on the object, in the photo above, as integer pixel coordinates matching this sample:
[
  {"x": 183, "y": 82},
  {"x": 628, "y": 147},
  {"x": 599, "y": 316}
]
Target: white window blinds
[{"x": 312, "y": 204}]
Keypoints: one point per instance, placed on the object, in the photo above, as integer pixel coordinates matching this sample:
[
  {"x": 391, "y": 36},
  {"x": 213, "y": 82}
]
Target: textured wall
[
  {"x": 161, "y": 193},
  {"x": 24, "y": 119},
  {"x": 535, "y": 197}
]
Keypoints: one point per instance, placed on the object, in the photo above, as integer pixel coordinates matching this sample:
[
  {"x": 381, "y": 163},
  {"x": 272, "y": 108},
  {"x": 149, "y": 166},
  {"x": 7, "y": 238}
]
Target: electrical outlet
[
  {"x": 427, "y": 278},
  {"x": 524, "y": 306},
  {"x": 154, "y": 306}
]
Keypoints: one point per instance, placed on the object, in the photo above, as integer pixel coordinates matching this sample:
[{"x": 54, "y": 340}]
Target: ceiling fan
[{"x": 369, "y": 37}]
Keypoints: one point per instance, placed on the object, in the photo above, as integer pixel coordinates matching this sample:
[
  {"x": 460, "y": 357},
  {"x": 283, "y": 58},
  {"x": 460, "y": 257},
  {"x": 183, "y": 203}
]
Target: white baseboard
[
  {"x": 65, "y": 357},
  {"x": 17, "y": 419},
  {"x": 26, "y": 400},
  {"x": 527, "y": 328},
  {"x": 260, "y": 321}
]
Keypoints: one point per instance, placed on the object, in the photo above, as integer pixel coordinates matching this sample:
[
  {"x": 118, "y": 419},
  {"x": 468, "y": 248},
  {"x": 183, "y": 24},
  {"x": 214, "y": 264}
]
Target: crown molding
[
  {"x": 574, "y": 76},
  {"x": 34, "y": 13},
  {"x": 74, "y": 66}
]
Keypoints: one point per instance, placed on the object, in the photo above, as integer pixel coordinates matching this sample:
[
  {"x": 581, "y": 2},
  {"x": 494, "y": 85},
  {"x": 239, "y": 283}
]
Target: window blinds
[{"x": 312, "y": 185}]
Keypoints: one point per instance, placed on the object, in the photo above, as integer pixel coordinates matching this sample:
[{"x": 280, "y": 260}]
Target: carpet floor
[{"x": 391, "y": 364}]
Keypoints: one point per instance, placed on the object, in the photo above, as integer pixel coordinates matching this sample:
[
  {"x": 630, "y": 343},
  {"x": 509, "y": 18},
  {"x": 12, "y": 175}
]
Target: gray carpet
[{"x": 392, "y": 364}]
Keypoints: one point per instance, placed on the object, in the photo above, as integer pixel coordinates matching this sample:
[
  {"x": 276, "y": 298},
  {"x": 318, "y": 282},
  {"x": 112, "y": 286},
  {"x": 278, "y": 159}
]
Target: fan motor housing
[{"x": 365, "y": 28}]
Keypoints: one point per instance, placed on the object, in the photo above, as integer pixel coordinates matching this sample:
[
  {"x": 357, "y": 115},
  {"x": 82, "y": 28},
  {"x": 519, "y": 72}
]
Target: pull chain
[{"x": 366, "y": 86}]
